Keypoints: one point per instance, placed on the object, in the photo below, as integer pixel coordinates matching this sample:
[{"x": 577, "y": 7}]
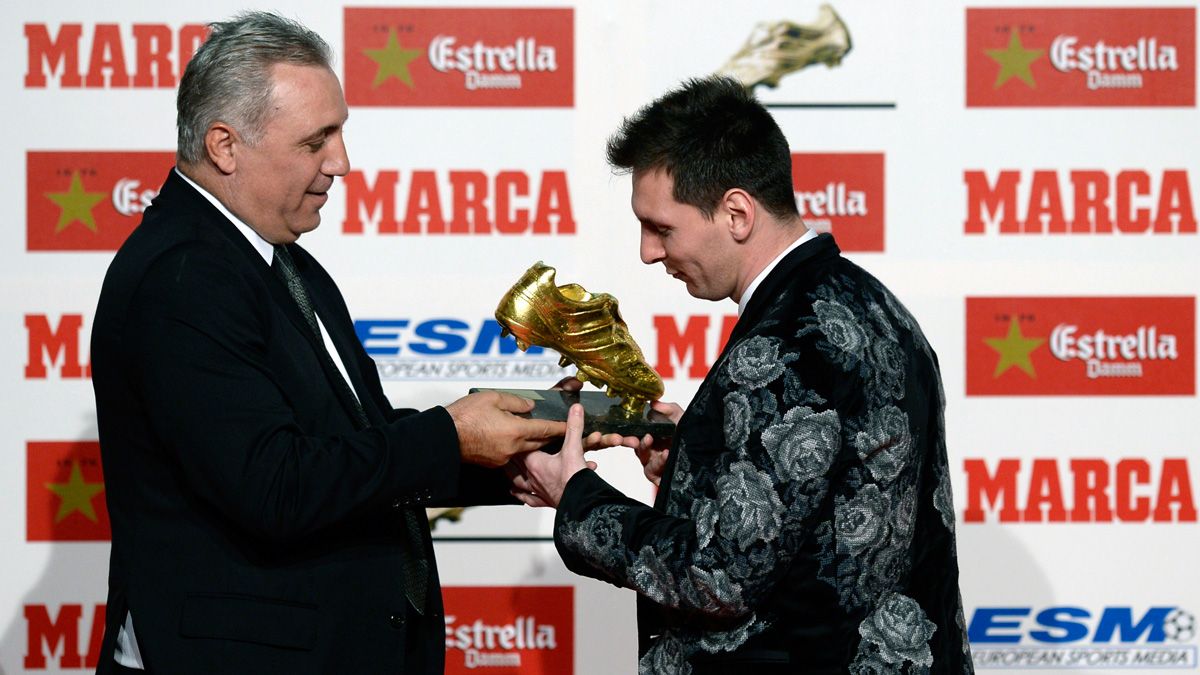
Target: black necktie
[{"x": 415, "y": 569}]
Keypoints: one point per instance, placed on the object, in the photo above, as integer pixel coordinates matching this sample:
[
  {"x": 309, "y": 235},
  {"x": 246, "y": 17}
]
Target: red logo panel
[
  {"x": 1082, "y": 56},
  {"x": 509, "y": 630},
  {"x": 1118, "y": 346},
  {"x": 88, "y": 201},
  {"x": 64, "y": 492},
  {"x": 460, "y": 57},
  {"x": 842, "y": 193}
]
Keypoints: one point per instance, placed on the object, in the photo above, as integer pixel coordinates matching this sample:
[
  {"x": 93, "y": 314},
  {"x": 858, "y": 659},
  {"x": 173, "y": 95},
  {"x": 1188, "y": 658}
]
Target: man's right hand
[{"x": 489, "y": 433}]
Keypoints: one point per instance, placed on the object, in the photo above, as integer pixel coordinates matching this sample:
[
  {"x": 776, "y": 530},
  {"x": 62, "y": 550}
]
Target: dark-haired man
[
  {"x": 803, "y": 522},
  {"x": 266, "y": 499}
]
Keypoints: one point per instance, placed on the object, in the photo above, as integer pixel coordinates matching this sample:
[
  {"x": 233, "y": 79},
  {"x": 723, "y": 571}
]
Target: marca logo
[
  {"x": 459, "y": 202},
  {"x": 62, "y": 629},
  {"x": 688, "y": 346},
  {"x": 88, "y": 201},
  {"x": 1084, "y": 490},
  {"x": 143, "y": 55},
  {"x": 520, "y": 629},
  {"x": 55, "y": 345},
  {"x": 1132, "y": 201},
  {"x": 64, "y": 495},
  {"x": 1084, "y": 56},
  {"x": 842, "y": 193},
  {"x": 460, "y": 57},
  {"x": 452, "y": 349},
  {"x": 1118, "y": 346},
  {"x": 1071, "y": 636}
]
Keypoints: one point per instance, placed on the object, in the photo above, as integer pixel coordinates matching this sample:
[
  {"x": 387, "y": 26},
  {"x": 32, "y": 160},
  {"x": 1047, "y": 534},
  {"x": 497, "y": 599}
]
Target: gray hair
[{"x": 229, "y": 78}]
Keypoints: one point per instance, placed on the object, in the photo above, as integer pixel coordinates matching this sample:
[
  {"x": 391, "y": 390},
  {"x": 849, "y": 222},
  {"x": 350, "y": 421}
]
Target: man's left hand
[{"x": 539, "y": 478}]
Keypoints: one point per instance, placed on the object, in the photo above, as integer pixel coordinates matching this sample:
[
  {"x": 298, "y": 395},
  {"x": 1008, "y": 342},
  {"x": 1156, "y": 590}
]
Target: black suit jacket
[
  {"x": 804, "y": 522},
  {"x": 255, "y": 528}
]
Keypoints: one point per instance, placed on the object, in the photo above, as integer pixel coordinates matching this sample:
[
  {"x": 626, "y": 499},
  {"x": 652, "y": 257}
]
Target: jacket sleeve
[
  {"x": 198, "y": 339},
  {"x": 751, "y": 466}
]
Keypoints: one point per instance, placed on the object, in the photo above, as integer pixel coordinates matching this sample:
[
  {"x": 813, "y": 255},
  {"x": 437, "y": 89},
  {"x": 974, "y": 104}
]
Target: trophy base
[{"x": 600, "y": 413}]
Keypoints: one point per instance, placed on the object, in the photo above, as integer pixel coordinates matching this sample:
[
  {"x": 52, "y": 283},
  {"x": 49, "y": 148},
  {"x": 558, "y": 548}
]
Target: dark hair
[
  {"x": 229, "y": 77},
  {"x": 710, "y": 135}
]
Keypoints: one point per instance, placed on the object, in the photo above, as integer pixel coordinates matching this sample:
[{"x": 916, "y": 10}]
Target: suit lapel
[{"x": 175, "y": 188}]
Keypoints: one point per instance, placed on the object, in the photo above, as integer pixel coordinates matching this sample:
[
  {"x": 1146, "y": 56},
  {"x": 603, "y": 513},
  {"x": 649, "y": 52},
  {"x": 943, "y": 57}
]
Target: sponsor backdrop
[{"x": 1022, "y": 176}]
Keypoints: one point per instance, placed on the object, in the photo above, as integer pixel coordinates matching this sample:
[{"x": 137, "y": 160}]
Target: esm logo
[
  {"x": 1068, "y": 636},
  {"x": 448, "y": 348}
]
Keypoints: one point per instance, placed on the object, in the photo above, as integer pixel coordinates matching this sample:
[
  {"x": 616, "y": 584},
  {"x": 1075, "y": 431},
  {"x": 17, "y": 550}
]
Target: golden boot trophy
[
  {"x": 587, "y": 330},
  {"x": 776, "y": 49}
]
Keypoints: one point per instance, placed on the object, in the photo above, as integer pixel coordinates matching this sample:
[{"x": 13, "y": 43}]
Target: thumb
[
  {"x": 513, "y": 403},
  {"x": 573, "y": 442}
]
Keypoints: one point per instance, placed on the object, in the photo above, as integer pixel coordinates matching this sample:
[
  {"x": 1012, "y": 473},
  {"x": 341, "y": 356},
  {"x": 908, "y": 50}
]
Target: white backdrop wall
[{"x": 1022, "y": 216}]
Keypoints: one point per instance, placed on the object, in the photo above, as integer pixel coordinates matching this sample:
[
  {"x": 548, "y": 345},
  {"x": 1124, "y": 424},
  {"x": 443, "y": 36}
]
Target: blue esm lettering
[
  {"x": 989, "y": 625},
  {"x": 433, "y": 337}
]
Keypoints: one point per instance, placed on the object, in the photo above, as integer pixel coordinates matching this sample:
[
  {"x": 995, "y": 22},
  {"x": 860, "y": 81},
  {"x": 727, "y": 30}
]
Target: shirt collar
[
  {"x": 808, "y": 235},
  {"x": 264, "y": 247}
]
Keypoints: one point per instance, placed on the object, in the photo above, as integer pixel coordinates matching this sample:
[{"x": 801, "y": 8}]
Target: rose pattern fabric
[
  {"x": 737, "y": 420},
  {"x": 773, "y": 459},
  {"x": 900, "y": 631},
  {"x": 755, "y": 363},
  {"x": 803, "y": 445}
]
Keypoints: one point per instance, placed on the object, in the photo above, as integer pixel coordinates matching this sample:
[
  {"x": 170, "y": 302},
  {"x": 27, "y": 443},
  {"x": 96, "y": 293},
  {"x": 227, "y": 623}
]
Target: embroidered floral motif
[
  {"x": 666, "y": 657},
  {"x": 750, "y": 509},
  {"x": 755, "y": 363},
  {"x": 900, "y": 630},
  {"x": 885, "y": 444},
  {"x": 861, "y": 522},
  {"x": 841, "y": 327},
  {"x": 737, "y": 421},
  {"x": 804, "y": 444},
  {"x": 943, "y": 501}
]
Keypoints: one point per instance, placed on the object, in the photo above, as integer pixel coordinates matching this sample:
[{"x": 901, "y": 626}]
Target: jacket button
[{"x": 396, "y": 621}]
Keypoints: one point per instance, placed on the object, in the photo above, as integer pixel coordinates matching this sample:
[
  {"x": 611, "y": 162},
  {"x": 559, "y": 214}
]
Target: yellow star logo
[
  {"x": 76, "y": 204},
  {"x": 76, "y": 494},
  {"x": 1014, "y": 61},
  {"x": 1014, "y": 350},
  {"x": 393, "y": 61}
]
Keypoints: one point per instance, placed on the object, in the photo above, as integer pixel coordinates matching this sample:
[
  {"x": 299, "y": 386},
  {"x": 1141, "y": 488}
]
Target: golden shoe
[
  {"x": 586, "y": 329},
  {"x": 776, "y": 49}
]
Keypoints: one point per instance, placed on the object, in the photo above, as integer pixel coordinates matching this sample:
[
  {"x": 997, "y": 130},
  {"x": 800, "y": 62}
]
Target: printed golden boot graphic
[
  {"x": 776, "y": 49},
  {"x": 586, "y": 329}
]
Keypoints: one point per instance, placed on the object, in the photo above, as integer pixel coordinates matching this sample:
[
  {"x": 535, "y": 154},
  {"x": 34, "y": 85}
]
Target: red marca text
[
  {"x": 505, "y": 203},
  {"x": 689, "y": 344},
  {"x": 47, "y": 634},
  {"x": 1100, "y": 491},
  {"x": 156, "y": 52},
  {"x": 1131, "y": 202},
  {"x": 55, "y": 347}
]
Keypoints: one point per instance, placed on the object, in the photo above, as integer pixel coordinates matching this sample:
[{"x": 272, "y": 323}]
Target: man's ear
[
  {"x": 219, "y": 143},
  {"x": 739, "y": 208}
]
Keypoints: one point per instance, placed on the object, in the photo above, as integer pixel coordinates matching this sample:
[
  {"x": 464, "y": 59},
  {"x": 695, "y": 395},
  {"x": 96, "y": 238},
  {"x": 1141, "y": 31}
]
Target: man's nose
[
  {"x": 337, "y": 162},
  {"x": 651, "y": 249}
]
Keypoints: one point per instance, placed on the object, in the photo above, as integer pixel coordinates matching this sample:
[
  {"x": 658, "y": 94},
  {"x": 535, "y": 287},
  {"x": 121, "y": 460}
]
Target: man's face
[
  {"x": 692, "y": 248},
  {"x": 281, "y": 182}
]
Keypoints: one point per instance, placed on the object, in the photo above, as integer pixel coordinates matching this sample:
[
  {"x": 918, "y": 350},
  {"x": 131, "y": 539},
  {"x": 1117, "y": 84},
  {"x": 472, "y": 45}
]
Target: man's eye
[{"x": 316, "y": 145}]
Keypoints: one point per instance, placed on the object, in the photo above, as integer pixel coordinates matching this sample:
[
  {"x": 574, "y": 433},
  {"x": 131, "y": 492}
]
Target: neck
[{"x": 763, "y": 246}]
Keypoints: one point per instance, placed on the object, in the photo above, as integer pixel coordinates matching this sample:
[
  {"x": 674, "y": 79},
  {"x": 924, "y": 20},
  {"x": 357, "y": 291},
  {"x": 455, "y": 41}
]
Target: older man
[
  {"x": 266, "y": 499},
  {"x": 803, "y": 523}
]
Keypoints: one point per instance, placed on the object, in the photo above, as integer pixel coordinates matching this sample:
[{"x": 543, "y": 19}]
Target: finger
[
  {"x": 570, "y": 383},
  {"x": 541, "y": 430},
  {"x": 591, "y": 465},
  {"x": 513, "y": 403},
  {"x": 573, "y": 441},
  {"x": 522, "y": 484}
]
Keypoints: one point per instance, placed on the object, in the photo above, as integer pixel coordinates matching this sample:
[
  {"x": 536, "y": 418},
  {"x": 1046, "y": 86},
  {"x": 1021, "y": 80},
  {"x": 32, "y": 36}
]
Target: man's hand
[
  {"x": 489, "y": 434},
  {"x": 652, "y": 452},
  {"x": 539, "y": 479}
]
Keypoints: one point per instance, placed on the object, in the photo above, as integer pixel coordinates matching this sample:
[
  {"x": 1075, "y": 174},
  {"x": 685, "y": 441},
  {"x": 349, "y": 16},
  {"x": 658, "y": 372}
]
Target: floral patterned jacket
[{"x": 804, "y": 522}]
